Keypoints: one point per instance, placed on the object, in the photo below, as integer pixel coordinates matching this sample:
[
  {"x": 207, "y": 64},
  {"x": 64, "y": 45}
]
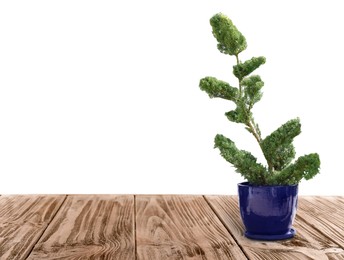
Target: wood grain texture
[
  {"x": 325, "y": 214},
  {"x": 159, "y": 227},
  {"x": 23, "y": 219},
  {"x": 307, "y": 244},
  {"x": 90, "y": 227},
  {"x": 181, "y": 227}
]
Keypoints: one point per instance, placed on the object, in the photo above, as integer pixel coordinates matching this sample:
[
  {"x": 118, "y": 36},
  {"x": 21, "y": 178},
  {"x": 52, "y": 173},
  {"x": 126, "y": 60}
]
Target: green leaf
[
  {"x": 243, "y": 69},
  {"x": 218, "y": 88},
  {"x": 230, "y": 40},
  {"x": 306, "y": 166},
  {"x": 252, "y": 81},
  {"x": 252, "y": 86},
  {"x": 244, "y": 162},
  {"x": 278, "y": 148},
  {"x": 233, "y": 116},
  {"x": 240, "y": 114}
]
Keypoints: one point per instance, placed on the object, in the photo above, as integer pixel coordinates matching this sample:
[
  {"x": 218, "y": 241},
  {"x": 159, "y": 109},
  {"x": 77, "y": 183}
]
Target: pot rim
[{"x": 248, "y": 184}]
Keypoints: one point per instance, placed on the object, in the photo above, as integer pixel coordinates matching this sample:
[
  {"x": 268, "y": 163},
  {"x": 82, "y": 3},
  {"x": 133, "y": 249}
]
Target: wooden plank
[
  {"x": 325, "y": 214},
  {"x": 23, "y": 219},
  {"x": 90, "y": 227},
  {"x": 181, "y": 227},
  {"x": 307, "y": 244}
]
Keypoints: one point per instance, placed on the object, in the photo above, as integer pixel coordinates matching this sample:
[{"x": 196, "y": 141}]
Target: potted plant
[{"x": 268, "y": 199}]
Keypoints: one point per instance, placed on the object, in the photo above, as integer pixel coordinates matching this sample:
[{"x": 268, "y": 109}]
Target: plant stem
[
  {"x": 240, "y": 87},
  {"x": 254, "y": 131},
  {"x": 251, "y": 124},
  {"x": 258, "y": 137}
]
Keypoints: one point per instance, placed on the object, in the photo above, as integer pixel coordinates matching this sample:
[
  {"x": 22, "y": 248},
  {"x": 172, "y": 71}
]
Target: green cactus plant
[{"x": 277, "y": 147}]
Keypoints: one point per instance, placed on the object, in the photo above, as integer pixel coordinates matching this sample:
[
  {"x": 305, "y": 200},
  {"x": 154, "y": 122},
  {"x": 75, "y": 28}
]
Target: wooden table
[{"x": 158, "y": 227}]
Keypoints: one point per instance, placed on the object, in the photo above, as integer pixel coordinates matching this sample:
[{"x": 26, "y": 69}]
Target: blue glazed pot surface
[{"x": 268, "y": 210}]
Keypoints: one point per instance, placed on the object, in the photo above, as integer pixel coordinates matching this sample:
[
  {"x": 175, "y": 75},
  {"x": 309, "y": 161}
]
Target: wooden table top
[{"x": 158, "y": 227}]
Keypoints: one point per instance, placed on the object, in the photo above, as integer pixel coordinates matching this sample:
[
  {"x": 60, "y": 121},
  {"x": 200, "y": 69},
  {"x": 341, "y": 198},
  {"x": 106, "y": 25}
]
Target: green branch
[
  {"x": 278, "y": 147},
  {"x": 244, "y": 162},
  {"x": 242, "y": 70},
  {"x": 218, "y": 88},
  {"x": 230, "y": 40},
  {"x": 306, "y": 166}
]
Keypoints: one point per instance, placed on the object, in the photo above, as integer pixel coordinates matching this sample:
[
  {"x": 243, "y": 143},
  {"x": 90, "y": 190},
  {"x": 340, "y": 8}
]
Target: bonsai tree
[{"x": 277, "y": 147}]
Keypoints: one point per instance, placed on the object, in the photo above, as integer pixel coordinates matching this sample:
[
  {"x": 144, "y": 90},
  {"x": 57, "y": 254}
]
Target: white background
[{"x": 103, "y": 96}]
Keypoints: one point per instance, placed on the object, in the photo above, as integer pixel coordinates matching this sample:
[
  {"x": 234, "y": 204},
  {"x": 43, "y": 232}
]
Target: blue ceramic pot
[{"x": 268, "y": 212}]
